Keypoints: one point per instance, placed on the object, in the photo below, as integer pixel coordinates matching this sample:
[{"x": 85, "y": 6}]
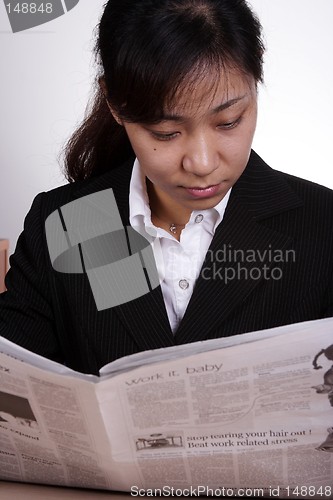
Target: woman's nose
[{"x": 201, "y": 156}]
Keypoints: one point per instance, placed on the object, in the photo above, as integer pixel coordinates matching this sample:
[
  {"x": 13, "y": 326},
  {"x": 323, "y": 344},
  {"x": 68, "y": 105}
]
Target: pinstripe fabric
[{"x": 269, "y": 213}]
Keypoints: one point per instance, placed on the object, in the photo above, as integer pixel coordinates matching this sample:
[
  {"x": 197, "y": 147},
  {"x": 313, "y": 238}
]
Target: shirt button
[
  {"x": 199, "y": 218},
  {"x": 183, "y": 284}
]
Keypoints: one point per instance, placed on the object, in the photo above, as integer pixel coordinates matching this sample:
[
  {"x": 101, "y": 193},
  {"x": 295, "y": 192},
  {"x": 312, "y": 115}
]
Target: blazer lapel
[
  {"x": 240, "y": 252},
  {"x": 145, "y": 317}
]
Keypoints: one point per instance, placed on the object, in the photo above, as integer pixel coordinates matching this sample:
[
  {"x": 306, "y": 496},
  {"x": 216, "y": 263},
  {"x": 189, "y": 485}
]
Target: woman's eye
[
  {"x": 229, "y": 125},
  {"x": 161, "y": 136}
]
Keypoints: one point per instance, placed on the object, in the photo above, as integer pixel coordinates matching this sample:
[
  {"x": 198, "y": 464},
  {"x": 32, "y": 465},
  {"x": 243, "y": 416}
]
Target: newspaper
[{"x": 249, "y": 415}]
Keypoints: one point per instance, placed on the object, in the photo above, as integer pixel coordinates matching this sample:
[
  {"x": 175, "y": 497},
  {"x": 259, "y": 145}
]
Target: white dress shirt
[{"x": 178, "y": 262}]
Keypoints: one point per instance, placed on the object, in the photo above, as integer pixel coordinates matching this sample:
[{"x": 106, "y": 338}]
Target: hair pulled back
[{"x": 147, "y": 49}]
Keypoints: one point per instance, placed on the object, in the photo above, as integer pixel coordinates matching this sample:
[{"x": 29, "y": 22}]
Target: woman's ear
[{"x": 102, "y": 85}]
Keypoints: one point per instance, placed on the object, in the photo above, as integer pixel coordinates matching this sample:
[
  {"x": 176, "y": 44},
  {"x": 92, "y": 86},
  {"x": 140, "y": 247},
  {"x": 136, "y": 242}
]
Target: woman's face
[{"x": 198, "y": 151}]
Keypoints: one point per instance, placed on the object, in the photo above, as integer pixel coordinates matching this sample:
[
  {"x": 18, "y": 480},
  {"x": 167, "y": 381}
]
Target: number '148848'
[{"x": 30, "y": 8}]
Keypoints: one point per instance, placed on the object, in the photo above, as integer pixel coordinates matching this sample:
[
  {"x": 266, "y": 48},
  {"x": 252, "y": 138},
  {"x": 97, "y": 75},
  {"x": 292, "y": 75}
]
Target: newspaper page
[
  {"x": 249, "y": 415},
  {"x": 51, "y": 430},
  {"x": 251, "y": 419}
]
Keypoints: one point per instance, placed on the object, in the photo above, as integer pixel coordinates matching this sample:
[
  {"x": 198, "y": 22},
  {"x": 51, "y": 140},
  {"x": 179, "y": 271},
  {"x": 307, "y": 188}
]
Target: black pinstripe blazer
[{"x": 275, "y": 241}]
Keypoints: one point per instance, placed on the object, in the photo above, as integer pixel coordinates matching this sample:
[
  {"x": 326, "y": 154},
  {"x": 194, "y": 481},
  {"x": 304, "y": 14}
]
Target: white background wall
[{"x": 46, "y": 76}]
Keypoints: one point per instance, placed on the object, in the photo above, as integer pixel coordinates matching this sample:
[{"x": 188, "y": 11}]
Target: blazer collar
[
  {"x": 264, "y": 192},
  {"x": 259, "y": 193}
]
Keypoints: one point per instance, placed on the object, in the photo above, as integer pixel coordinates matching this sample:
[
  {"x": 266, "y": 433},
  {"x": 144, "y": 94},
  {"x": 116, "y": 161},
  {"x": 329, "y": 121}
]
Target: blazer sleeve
[{"x": 26, "y": 315}]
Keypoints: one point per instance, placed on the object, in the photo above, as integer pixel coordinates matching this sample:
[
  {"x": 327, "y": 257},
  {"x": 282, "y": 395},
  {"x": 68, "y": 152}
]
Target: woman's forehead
[{"x": 208, "y": 91}]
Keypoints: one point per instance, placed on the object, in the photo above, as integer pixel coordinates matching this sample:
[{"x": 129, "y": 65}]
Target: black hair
[{"x": 148, "y": 50}]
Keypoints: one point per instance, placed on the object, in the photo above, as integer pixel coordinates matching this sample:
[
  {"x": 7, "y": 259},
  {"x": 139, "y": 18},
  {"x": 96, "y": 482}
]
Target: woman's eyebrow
[
  {"x": 178, "y": 118},
  {"x": 227, "y": 104}
]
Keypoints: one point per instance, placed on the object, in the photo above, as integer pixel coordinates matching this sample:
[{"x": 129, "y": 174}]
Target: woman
[{"x": 237, "y": 246}]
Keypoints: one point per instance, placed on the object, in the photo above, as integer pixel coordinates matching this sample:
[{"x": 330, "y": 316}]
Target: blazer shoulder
[
  {"x": 307, "y": 190},
  {"x": 117, "y": 179},
  {"x": 267, "y": 192},
  {"x": 316, "y": 210}
]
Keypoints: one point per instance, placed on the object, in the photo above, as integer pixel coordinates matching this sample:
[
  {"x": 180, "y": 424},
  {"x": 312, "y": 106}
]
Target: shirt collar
[{"x": 140, "y": 213}]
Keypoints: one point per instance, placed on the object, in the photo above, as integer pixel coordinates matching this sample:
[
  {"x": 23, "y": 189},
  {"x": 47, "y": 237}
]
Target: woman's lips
[{"x": 207, "y": 192}]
